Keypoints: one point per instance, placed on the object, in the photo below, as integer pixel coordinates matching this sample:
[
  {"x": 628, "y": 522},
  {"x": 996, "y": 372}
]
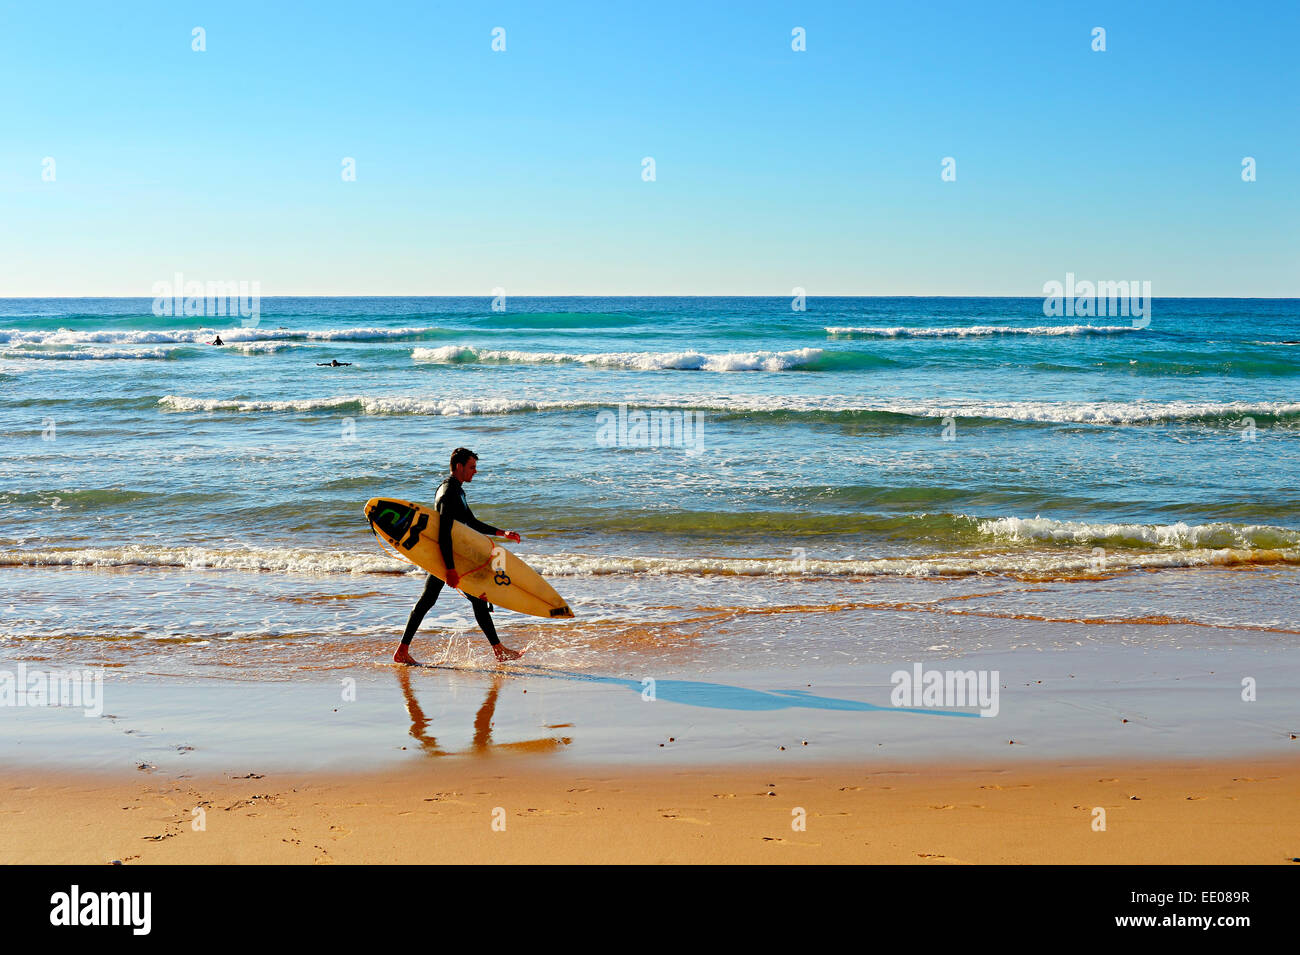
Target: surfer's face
[{"x": 465, "y": 472}]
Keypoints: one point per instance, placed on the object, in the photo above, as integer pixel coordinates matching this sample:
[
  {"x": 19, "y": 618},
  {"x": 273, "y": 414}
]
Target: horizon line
[{"x": 510, "y": 295}]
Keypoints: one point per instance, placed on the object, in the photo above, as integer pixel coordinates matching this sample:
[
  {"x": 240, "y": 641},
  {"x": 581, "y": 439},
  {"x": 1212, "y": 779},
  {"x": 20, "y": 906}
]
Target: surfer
[
  {"x": 216, "y": 341},
  {"x": 332, "y": 363},
  {"x": 450, "y": 504}
]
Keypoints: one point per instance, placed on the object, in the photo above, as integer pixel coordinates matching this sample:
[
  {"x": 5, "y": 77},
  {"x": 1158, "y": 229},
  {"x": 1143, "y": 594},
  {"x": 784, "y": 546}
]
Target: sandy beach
[
  {"x": 545, "y": 435},
  {"x": 511, "y": 809},
  {"x": 1095, "y": 754}
]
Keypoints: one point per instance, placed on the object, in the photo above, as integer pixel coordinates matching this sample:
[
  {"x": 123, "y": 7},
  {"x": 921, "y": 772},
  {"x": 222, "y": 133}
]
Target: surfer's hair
[{"x": 462, "y": 456}]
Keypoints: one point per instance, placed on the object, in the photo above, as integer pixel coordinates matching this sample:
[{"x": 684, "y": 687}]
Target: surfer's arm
[
  {"x": 445, "y": 520},
  {"x": 481, "y": 526}
]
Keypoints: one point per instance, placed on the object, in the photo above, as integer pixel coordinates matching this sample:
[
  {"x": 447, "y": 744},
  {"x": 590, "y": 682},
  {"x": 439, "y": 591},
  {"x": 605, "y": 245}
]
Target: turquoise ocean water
[{"x": 800, "y": 476}]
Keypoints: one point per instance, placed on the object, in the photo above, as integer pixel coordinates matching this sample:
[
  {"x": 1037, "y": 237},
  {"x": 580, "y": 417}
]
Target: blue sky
[{"x": 775, "y": 168}]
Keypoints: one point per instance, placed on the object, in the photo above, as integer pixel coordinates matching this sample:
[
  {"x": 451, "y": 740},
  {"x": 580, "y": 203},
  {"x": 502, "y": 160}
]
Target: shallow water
[{"x": 827, "y": 480}]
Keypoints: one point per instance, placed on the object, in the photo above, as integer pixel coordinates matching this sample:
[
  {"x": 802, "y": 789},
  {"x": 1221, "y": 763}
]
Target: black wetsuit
[{"x": 450, "y": 504}]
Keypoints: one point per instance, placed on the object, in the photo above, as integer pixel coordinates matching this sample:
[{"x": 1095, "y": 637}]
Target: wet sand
[
  {"x": 1177, "y": 704},
  {"x": 513, "y": 809},
  {"x": 1186, "y": 754}
]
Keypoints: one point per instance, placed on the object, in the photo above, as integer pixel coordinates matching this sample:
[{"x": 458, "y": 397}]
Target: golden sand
[{"x": 506, "y": 809}]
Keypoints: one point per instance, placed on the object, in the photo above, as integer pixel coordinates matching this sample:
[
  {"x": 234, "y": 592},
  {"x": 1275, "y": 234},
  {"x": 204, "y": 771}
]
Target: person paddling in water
[
  {"x": 333, "y": 363},
  {"x": 450, "y": 504},
  {"x": 216, "y": 341}
]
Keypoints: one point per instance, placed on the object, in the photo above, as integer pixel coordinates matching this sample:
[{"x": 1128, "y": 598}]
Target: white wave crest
[
  {"x": 366, "y": 405},
  {"x": 639, "y": 361},
  {"x": 1179, "y": 536},
  {"x": 92, "y": 354},
  {"x": 974, "y": 331},
  {"x": 261, "y": 348},
  {"x": 271, "y": 559},
  {"x": 1228, "y": 413},
  {"x": 303, "y": 561},
  {"x": 195, "y": 336}
]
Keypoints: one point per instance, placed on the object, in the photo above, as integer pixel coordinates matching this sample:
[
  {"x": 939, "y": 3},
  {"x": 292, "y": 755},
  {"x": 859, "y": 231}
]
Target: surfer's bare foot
[
  {"x": 403, "y": 655},
  {"x": 505, "y": 653}
]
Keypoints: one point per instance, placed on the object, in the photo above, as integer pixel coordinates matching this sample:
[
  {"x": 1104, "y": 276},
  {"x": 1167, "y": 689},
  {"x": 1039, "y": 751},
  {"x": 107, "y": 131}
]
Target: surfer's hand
[
  {"x": 510, "y": 536},
  {"x": 453, "y": 577}
]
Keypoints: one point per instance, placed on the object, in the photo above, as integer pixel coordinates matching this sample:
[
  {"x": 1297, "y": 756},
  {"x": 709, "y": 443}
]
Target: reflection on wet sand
[
  {"x": 716, "y": 696},
  {"x": 482, "y": 744}
]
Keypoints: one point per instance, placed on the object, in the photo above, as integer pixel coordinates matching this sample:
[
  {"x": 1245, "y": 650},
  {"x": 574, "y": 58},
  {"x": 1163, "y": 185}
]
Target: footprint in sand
[
  {"x": 262, "y": 799},
  {"x": 678, "y": 818}
]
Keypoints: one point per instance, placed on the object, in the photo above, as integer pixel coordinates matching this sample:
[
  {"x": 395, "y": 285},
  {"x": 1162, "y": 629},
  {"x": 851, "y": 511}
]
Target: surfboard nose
[{"x": 391, "y": 517}]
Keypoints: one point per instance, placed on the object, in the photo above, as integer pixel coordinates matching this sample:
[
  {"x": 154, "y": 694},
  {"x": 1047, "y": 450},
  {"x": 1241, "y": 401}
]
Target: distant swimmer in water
[{"x": 332, "y": 363}]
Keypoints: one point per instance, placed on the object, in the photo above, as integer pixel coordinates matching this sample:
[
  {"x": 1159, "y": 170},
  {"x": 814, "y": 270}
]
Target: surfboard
[{"x": 487, "y": 570}]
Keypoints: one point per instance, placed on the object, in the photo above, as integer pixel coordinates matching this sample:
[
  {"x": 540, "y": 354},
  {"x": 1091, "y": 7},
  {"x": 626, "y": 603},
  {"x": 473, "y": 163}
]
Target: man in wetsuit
[{"x": 450, "y": 504}]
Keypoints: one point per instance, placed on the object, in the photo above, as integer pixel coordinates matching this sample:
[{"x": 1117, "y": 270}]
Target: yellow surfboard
[{"x": 487, "y": 569}]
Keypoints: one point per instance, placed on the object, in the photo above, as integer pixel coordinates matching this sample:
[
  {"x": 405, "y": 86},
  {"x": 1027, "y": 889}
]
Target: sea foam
[
  {"x": 1222, "y": 413},
  {"x": 974, "y": 331},
  {"x": 638, "y": 361}
]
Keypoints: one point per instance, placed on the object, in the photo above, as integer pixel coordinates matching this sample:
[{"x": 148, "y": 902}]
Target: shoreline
[
  {"x": 1086, "y": 702},
  {"x": 515, "y": 810}
]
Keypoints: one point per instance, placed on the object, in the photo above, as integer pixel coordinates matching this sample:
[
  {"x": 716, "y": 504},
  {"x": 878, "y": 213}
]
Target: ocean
[{"x": 709, "y": 482}]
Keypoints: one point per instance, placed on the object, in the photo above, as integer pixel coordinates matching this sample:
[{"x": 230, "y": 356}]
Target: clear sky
[{"x": 774, "y": 168}]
